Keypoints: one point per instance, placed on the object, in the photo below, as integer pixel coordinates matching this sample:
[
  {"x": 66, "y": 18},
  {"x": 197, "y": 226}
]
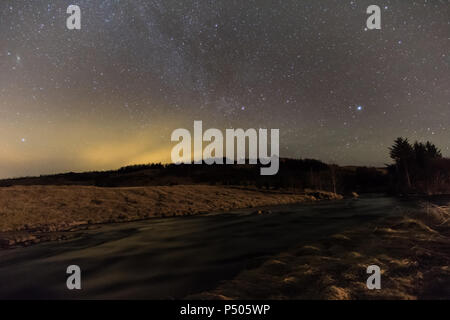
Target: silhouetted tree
[
  {"x": 433, "y": 152},
  {"x": 402, "y": 153},
  {"x": 418, "y": 165}
]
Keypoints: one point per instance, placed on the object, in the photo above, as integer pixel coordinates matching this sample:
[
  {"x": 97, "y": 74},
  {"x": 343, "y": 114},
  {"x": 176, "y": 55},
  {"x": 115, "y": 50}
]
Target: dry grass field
[{"x": 28, "y": 211}]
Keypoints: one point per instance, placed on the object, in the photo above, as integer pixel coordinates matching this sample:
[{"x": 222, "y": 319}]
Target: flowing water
[{"x": 172, "y": 257}]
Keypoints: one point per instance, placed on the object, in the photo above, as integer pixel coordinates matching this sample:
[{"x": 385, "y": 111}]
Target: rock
[
  {"x": 336, "y": 293},
  {"x": 307, "y": 250},
  {"x": 257, "y": 212},
  {"x": 322, "y": 195},
  {"x": 275, "y": 267},
  {"x": 340, "y": 237},
  {"x": 262, "y": 212}
]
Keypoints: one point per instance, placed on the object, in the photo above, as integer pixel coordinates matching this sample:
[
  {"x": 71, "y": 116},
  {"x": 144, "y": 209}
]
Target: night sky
[{"x": 111, "y": 93}]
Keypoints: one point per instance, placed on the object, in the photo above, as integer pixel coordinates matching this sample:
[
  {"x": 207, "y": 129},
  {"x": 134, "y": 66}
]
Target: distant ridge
[{"x": 293, "y": 173}]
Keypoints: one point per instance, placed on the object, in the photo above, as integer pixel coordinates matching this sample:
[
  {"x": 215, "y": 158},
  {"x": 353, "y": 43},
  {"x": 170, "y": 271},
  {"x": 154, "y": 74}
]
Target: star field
[{"x": 111, "y": 93}]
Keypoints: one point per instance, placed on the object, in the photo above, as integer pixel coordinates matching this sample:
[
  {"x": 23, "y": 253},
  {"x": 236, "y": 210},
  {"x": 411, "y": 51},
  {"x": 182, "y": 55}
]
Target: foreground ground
[
  {"x": 413, "y": 252},
  {"x": 326, "y": 247},
  {"x": 31, "y": 214}
]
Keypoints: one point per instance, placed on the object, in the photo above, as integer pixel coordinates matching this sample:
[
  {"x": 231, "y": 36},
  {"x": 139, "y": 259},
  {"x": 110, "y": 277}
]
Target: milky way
[{"x": 111, "y": 93}]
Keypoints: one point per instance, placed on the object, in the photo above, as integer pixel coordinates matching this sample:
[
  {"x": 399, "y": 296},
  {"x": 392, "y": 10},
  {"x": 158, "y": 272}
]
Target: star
[{"x": 229, "y": 64}]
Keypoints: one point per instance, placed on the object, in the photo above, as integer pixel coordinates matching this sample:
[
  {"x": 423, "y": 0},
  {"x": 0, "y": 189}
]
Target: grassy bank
[
  {"x": 30, "y": 214},
  {"x": 412, "y": 250}
]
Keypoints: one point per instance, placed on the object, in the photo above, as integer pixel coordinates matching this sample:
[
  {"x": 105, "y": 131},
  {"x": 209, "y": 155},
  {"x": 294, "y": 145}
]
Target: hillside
[{"x": 295, "y": 175}]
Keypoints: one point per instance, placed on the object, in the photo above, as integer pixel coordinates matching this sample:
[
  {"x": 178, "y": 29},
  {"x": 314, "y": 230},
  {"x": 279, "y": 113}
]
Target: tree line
[{"x": 418, "y": 168}]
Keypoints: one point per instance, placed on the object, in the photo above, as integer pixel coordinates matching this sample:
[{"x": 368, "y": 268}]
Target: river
[{"x": 170, "y": 258}]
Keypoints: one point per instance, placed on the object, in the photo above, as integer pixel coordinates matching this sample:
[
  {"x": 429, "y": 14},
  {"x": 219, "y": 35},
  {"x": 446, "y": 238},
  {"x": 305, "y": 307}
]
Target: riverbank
[
  {"x": 412, "y": 249},
  {"x": 32, "y": 214}
]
